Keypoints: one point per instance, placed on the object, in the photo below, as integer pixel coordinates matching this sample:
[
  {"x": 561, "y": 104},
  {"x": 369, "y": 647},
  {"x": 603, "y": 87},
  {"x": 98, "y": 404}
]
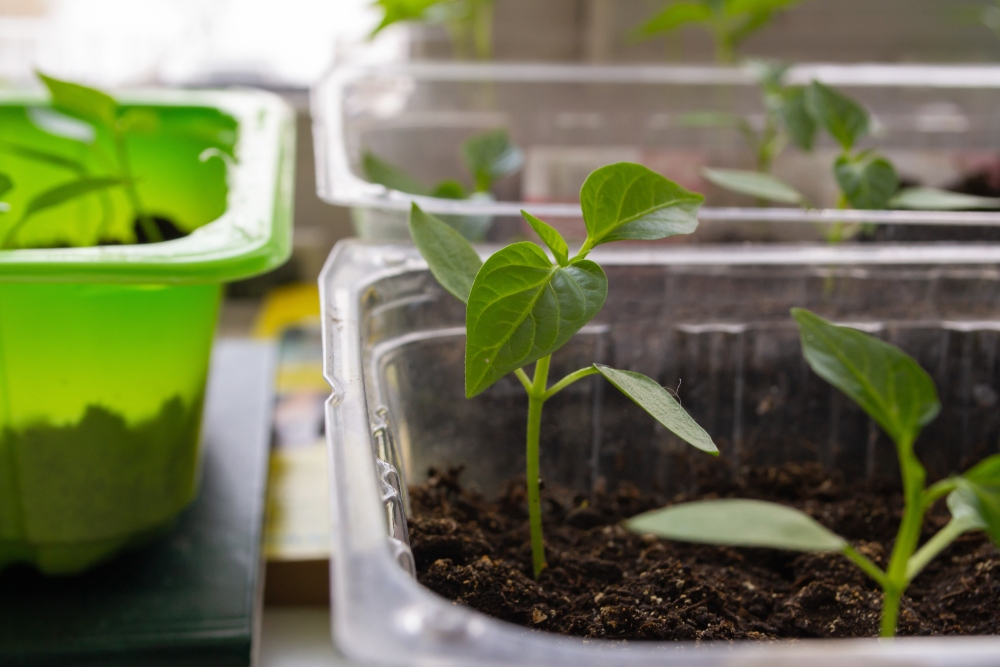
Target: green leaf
[
  {"x": 491, "y": 156},
  {"x": 451, "y": 258},
  {"x": 755, "y": 184},
  {"x": 55, "y": 196},
  {"x": 394, "y": 11},
  {"x": 739, "y": 523},
  {"x": 448, "y": 190},
  {"x": 843, "y": 118},
  {"x": 523, "y": 308},
  {"x": 886, "y": 382},
  {"x": 795, "y": 115},
  {"x": 628, "y": 201},
  {"x": 674, "y": 16},
  {"x": 978, "y": 507},
  {"x": 6, "y": 184},
  {"x": 139, "y": 120},
  {"x": 552, "y": 238},
  {"x": 932, "y": 199},
  {"x": 868, "y": 181},
  {"x": 381, "y": 172},
  {"x": 664, "y": 408},
  {"x": 81, "y": 101},
  {"x": 45, "y": 157},
  {"x": 986, "y": 472}
]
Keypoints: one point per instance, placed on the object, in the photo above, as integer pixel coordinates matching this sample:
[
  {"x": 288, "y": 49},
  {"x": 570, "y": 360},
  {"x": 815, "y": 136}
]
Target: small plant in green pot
[
  {"x": 900, "y": 396},
  {"x": 522, "y": 305},
  {"x": 105, "y": 336}
]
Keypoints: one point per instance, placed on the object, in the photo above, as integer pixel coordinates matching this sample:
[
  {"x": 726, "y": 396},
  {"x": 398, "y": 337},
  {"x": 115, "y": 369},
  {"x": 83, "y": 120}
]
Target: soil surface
[{"x": 603, "y": 581}]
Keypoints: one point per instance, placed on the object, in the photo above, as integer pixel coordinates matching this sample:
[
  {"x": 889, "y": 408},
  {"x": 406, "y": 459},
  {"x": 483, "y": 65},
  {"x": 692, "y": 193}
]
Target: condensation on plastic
[
  {"x": 714, "y": 318},
  {"x": 416, "y": 115},
  {"x": 252, "y": 236}
]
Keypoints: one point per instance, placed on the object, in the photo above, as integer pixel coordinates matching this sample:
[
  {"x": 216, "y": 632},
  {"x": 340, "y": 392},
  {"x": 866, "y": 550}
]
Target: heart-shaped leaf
[
  {"x": 742, "y": 523},
  {"x": 843, "y": 118},
  {"x": 491, "y": 156},
  {"x": 381, "y": 172},
  {"x": 664, "y": 408},
  {"x": 552, "y": 238},
  {"x": 628, "y": 201},
  {"x": 81, "y": 101},
  {"x": 450, "y": 257},
  {"x": 868, "y": 181},
  {"x": 755, "y": 184},
  {"x": 523, "y": 308},
  {"x": 886, "y": 382},
  {"x": 932, "y": 199},
  {"x": 795, "y": 115}
]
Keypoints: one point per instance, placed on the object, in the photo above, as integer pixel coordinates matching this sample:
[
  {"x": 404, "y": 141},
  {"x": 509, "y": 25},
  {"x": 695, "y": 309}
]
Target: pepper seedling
[
  {"x": 522, "y": 305},
  {"x": 866, "y": 178},
  {"x": 102, "y": 116},
  {"x": 729, "y": 22},
  {"x": 469, "y": 22},
  {"x": 488, "y": 156},
  {"x": 900, "y": 396}
]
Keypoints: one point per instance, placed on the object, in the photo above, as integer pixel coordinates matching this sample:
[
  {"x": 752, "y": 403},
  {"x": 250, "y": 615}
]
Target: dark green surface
[{"x": 188, "y": 599}]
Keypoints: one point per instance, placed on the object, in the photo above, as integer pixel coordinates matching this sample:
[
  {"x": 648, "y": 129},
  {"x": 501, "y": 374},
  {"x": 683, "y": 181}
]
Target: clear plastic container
[
  {"x": 937, "y": 124},
  {"x": 713, "y": 317},
  {"x": 104, "y": 350}
]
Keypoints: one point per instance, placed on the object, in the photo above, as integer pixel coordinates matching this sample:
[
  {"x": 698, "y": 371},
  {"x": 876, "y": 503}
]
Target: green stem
[
  {"x": 939, "y": 490},
  {"x": 570, "y": 379},
  {"x": 536, "y": 400},
  {"x": 933, "y": 547},
  {"x": 482, "y": 29},
  {"x": 890, "y": 612},
  {"x": 525, "y": 380},
  {"x": 148, "y": 226},
  {"x": 869, "y": 568}
]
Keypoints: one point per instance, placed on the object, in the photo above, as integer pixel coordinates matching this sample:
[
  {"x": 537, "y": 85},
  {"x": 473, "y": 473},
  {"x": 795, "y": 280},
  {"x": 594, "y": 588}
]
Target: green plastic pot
[{"x": 104, "y": 350}]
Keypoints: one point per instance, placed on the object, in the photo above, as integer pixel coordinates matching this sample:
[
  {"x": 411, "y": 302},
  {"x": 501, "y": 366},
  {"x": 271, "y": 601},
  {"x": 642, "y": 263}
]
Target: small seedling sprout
[
  {"x": 729, "y": 22},
  {"x": 900, "y": 396},
  {"x": 522, "y": 305},
  {"x": 106, "y": 117},
  {"x": 866, "y": 179},
  {"x": 469, "y": 22}
]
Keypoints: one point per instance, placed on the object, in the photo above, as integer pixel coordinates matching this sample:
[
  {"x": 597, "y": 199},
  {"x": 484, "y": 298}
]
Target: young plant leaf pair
[
  {"x": 729, "y": 22},
  {"x": 102, "y": 113},
  {"x": 522, "y": 305},
  {"x": 892, "y": 388},
  {"x": 489, "y": 156},
  {"x": 866, "y": 179}
]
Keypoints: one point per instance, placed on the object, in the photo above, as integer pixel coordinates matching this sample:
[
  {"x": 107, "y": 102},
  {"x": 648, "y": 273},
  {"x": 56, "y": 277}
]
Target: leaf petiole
[
  {"x": 568, "y": 380},
  {"x": 934, "y": 546}
]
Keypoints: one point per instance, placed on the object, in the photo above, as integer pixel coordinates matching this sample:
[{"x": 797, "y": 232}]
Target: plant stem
[
  {"x": 152, "y": 232},
  {"x": 869, "y": 568},
  {"x": 933, "y": 547},
  {"x": 890, "y": 612},
  {"x": 482, "y": 29},
  {"x": 570, "y": 379},
  {"x": 536, "y": 400}
]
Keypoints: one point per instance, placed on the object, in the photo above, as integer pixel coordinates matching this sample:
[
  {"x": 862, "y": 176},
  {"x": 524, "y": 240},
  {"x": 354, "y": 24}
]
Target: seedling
[
  {"x": 866, "y": 179},
  {"x": 488, "y": 156},
  {"x": 729, "y": 22},
  {"x": 469, "y": 22},
  {"x": 108, "y": 119},
  {"x": 900, "y": 396},
  {"x": 785, "y": 117},
  {"x": 522, "y": 306}
]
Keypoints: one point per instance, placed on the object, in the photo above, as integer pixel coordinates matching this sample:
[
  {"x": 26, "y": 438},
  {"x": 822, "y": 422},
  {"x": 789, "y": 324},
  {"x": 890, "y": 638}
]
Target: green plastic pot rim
[{"x": 251, "y": 237}]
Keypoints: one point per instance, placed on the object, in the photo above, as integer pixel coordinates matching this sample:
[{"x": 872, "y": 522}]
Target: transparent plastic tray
[
  {"x": 936, "y": 123},
  {"x": 715, "y": 318}
]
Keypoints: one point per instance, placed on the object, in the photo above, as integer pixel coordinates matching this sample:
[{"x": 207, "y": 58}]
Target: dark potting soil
[{"x": 603, "y": 581}]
